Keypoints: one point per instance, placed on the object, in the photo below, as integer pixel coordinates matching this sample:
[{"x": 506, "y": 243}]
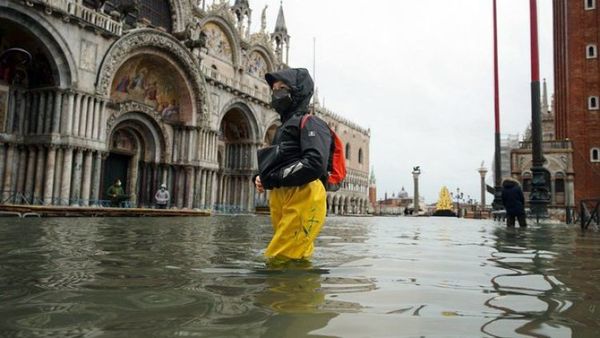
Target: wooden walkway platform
[{"x": 64, "y": 211}]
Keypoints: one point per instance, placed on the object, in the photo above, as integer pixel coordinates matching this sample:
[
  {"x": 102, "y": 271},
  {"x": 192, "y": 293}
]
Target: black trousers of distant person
[{"x": 510, "y": 220}]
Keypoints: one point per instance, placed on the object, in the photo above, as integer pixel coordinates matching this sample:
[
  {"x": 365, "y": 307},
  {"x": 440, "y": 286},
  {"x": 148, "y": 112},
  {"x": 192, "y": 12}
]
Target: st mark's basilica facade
[{"x": 148, "y": 92}]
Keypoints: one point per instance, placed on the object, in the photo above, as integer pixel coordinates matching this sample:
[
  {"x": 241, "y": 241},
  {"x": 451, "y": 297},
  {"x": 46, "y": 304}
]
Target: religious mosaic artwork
[
  {"x": 257, "y": 65},
  {"x": 121, "y": 141},
  {"x": 217, "y": 42},
  {"x": 156, "y": 83}
]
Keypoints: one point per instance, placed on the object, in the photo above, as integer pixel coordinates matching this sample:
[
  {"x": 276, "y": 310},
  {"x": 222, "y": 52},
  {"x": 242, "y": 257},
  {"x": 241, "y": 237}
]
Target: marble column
[
  {"x": 66, "y": 116},
  {"x": 21, "y": 172},
  {"x": 39, "y": 176},
  {"x": 67, "y": 173},
  {"x": 76, "y": 184},
  {"x": 97, "y": 167},
  {"x": 90, "y": 118},
  {"x": 41, "y": 112},
  {"x": 189, "y": 187},
  {"x": 96, "y": 124},
  {"x": 3, "y": 154},
  {"x": 133, "y": 178},
  {"x": 76, "y": 114},
  {"x": 49, "y": 111},
  {"x": 58, "y": 175},
  {"x": 102, "y": 119},
  {"x": 86, "y": 182},
  {"x": 251, "y": 190},
  {"x": 198, "y": 188},
  {"x": 85, "y": 104},
  {"x": 21, "y": 114},
  {"x": 180, "y": 181},
  {"x": 49, "y": 182},
  {"x": 213, "y": 189},
  {"x": 30, "y": 174},
  {"x": 203, "y": 189},
  {"x": 9, "y": 176},
  {"x": 58, "y": 104}
]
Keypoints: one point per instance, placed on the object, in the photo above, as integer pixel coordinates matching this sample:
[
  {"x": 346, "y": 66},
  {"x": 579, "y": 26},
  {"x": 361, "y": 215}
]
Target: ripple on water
[{"x": 370, "y": 277}]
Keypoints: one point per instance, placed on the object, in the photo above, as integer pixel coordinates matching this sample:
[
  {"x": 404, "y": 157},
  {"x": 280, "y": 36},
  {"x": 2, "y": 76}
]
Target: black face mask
[{"x": 281, "y": 100}]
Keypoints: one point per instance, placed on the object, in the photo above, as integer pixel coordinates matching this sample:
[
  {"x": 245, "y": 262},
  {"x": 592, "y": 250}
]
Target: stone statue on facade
[
  {"x": 128, "y": 7},
  {"x": 263, "y": 19}
]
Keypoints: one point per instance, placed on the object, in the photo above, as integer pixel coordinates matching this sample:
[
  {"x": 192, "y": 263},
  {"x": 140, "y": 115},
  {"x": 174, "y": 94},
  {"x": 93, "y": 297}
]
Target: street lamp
[{"x": 459, "y": 196}]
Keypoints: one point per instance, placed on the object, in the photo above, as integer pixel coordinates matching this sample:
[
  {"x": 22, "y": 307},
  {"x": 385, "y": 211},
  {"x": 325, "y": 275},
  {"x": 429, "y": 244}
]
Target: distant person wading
[
  {"x": 514, "y": 202},
  {"x": 292, "y": 168}
]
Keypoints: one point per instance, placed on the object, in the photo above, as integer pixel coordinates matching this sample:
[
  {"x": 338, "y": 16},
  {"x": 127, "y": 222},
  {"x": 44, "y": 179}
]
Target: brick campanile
[{"x": 577, "y": 88}]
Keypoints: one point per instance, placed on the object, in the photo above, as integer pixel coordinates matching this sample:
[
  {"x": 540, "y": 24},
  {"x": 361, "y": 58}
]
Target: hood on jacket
[
  {"x": 301, "y": 88},
  {"x": 510, "y": 182}
]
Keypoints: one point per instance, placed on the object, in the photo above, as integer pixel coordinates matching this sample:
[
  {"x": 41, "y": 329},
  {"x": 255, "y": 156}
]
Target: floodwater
[{"x": 370, "y": 277}]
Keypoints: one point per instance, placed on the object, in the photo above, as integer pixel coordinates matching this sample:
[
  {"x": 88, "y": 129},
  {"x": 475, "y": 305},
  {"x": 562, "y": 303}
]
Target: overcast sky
[{"x": 419, "y": 74}]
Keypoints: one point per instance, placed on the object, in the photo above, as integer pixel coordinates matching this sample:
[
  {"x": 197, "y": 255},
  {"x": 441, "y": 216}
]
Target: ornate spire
[
  {"x": 281, "y": 38},
  {"x": 372, "y": 178},
  {"x": 243, "y": 13},
  {"x": 280, "y": 26}
]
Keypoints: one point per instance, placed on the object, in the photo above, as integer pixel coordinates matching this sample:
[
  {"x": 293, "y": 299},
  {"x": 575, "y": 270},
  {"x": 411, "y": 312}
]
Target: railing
[
  {"x": 18, "y": 198},
  {"x": 589, "y": 210},
  {"x": 85, "y": 14},
  {"x": 547, "y": 145},
  {"x": 235, "y": 84}
]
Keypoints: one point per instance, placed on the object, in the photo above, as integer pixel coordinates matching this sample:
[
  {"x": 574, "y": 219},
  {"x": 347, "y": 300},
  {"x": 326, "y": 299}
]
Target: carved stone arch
[
  {"x": 147, "y": 117},
  {"x": 64, "y": 67},
  {"x": 152, "y": 39},
  {"x": 180, "y": 11},
  {"x": 554, "y": 164},
  {"x": 230, "y": 32},
  {"x": 266, "y": 54},
  {"x": 248, "y": 114}
]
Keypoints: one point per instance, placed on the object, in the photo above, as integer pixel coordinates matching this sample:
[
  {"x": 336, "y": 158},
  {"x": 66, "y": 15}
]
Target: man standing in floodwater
[
  {"x": 514, "y": 202},
  {"x": 292, "y": 168}
]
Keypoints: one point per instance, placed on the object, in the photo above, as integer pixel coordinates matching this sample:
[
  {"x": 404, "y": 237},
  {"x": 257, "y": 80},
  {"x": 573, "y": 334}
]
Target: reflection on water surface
[{"x": 370, "y": 277}]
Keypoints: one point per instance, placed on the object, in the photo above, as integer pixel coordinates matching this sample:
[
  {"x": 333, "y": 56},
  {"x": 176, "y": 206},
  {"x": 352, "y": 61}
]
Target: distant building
[
  {"x": 353, "y": 197},
  {"x": 397, "y": 204},
  {"x": 372, "y": 192},
  {"x": 577, "y": 87},
  {"x": 558, "y": 155},
  {"x": 508, "y": 142}
]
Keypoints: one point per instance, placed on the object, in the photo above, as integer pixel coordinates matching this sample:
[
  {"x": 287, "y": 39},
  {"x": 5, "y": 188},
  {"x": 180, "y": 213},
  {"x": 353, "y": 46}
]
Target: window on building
[
  {"x": 595, "y": 154},
  {"x": 559, "y": 185},
  {"x": 158, "y": 12},
  {"x": 360, "y": 156},
  {"x": 347, "y": 151},
  {"x": 590, "y": 4},
  {"x": 593, "y": 103},
  {"x": 591, "y": 51}
]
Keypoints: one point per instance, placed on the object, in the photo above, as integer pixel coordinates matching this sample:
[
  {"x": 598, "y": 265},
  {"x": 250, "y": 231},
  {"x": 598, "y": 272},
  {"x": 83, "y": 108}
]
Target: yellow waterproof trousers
[{"x": 297, "y": 215}]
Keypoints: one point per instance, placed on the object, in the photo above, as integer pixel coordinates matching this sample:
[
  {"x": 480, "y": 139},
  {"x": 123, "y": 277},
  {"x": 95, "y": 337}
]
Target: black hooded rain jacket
[
  {"x": 297, "y": 155},
  {"x": 512, "y": 197}
]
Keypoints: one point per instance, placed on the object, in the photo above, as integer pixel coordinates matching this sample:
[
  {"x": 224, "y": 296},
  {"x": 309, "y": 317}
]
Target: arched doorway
[
  {"x": 34, "y": 68},
  {"x": 237, "y": 160},
  {"x": 134, "y": 157}
]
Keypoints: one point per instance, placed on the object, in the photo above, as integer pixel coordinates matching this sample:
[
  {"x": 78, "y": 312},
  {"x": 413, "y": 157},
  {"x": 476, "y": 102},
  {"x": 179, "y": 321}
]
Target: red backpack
[{"x": 336, "y": 164}]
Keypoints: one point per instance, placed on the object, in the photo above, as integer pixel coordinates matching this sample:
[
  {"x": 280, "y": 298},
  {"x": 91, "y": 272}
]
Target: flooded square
[{"x": 369, "y": 277}]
